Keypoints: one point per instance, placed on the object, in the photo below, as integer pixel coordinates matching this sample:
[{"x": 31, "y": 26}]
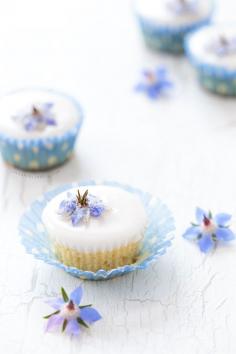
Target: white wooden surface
[{"x": 182, "y": 149}]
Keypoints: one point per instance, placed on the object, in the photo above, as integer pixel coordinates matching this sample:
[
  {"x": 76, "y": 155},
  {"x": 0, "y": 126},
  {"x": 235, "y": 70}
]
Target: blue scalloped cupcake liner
[
  {"x": 41, "y": 153},
  {"x": 221, "y": 86},
  {"x": 157, "y": 238},
  {"x": 168, "y": 39},
  {"x": 214, "y": 78}
]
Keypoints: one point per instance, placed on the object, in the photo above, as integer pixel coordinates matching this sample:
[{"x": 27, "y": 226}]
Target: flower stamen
[
  {"x": 82, "y": 200},
  {"x": 36, "y": 111},
  {"x": 206, "y": 221},
  {"x": 71, "y": 306}
]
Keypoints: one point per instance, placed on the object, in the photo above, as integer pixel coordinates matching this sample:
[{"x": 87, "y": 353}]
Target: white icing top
[
  {"x": 64, "y": 110},
  {"x": 200, "y": 45},
  {"x": 124, "y": 221},
  {"x": 158, "y": 12}
]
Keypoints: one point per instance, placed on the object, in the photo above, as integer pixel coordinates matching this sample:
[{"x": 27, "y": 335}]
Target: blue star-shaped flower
[
  {"x": 223, "y": 45},
  {"x": 79, "y": 210},
  {"x": 180, "y": 7},
  {"x": 37, "y": 118},
  {"x": 208, "y": 230},
  {"x": 155, "y": 83},
  {"x": 69, "y": 315}
]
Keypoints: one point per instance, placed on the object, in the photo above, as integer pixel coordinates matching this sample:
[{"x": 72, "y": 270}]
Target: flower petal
[
  {"x": 89, "y": 315},
  {"x": 72, "y": 327},
  {"x": 153, "y": 92},
  {"x": 192, "y": 233},
  {"x": 206, "y": 243},
  {"x": 224, "y": 234},
  {"x": 50, "y": 121},
  {"x": 55, "y": 303},
  {"x": 96, "y": 210},
  {"x": 76, "y": 295},
  {"x": 199, "y": 214},
  {"x": 222, "y": 219},
  {"x": 47, "y": 106},
  {"x": 140, "y": 87},
  {"x": 161, "y": 72},
  {"x": 167, "y": 84},
  {"x": 54, "y": 322},
  {"x": 78, "y": 215}
]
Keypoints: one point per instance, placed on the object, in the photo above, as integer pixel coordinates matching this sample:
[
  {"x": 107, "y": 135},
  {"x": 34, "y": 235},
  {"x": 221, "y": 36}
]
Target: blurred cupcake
[
  {"x": 212, "y": 51},
  {"x": 165, "y": 23},
  {"x": 95, "y": 227},
  {"x": 38, "y": 128}
]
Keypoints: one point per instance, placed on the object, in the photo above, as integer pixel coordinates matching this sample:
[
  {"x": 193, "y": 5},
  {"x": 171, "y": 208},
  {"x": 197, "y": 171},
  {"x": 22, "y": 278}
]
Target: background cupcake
[
  {"x": 212, "y": 51},
  {"x": 165, "y": 23},
  {"x": 38, "y": 128}
]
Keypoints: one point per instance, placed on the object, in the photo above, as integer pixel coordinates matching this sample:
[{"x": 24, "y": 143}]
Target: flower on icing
[
  {"x": 208, "y": 230},
  {"x": 37, "y": 118},
  {"x": 181, "y": 7},
  {"x": 79, "y": 208},
  {"x": 223, "y": 45},
  {"x": 69, "y": 315},
  {"x": 155, "y": 83}
]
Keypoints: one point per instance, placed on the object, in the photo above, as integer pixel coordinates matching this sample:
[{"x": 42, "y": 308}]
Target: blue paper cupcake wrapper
[
  {"x": 169, "y": 39},
  {"x": 41, "y": 153},
  {"x": 157, "y": 239},
  {"x": 214, "y": 78}
]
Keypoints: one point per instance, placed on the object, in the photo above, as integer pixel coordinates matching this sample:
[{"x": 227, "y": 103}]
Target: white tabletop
[{"x": 181, "y": 149}]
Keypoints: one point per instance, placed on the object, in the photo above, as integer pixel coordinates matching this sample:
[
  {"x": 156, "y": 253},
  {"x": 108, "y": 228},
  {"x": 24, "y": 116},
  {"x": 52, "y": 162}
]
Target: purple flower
[
  {"x": 96, "y": 206},
  {"x": 37, "y": 118},
  {"x": 78, "y": 215},
  {"x": 155, "y": 83},
  {"x": 208, "y": 230},
  {"x": 67, "y": 207},
  {"x": 223, "y": 45},
  {"x": 79, "y": 208},
  {"x": 180, "y": 7},
  {"x": 69, "y": 314},
  {"x": 50, "y": 121},
  {"x": 96, "y": 210}
]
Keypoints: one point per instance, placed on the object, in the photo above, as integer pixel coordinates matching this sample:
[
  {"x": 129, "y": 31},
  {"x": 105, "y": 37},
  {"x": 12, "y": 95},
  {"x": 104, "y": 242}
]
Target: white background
[{"x": 181, "y": 149}]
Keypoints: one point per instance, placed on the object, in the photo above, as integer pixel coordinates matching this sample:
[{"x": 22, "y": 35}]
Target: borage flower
[
  {"x": 37, "y": 118},
  {"x": 155, "y": 83},
  {"x": 208, "y": 230},
  {"x": 223, "y": 45},
  {"x": 69, "y": 314},
  {"x": 79, "y": 208},
  {"x": 180, "y": 7}
]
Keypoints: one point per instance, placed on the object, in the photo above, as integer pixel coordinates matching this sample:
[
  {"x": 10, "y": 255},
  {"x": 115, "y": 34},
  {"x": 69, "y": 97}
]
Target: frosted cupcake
[
  {"x": 212, "y": 51},
  {"x": 165, "y": 23},
  {"x": 95, "y": 227},
  {"x": 38, "y": 128}
]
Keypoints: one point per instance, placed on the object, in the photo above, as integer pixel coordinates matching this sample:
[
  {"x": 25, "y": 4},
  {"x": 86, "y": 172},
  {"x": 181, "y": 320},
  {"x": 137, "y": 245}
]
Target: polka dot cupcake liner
[
  {"x": 214, "y": 78},
  {"x": 157, "y": 238},
  {"x": 165, "y": 38},
  {"x": 41, "y": 153},
  {"x": 220, "y": 85}
]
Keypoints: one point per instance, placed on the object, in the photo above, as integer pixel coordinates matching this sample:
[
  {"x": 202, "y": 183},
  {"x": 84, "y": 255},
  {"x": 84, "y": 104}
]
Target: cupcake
[
  {"x": 212, "y": 51},
  {"x": 95, "y": 227},
  {"x": 165, "y": 23},
  {"x": 38, "y": 128}
]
